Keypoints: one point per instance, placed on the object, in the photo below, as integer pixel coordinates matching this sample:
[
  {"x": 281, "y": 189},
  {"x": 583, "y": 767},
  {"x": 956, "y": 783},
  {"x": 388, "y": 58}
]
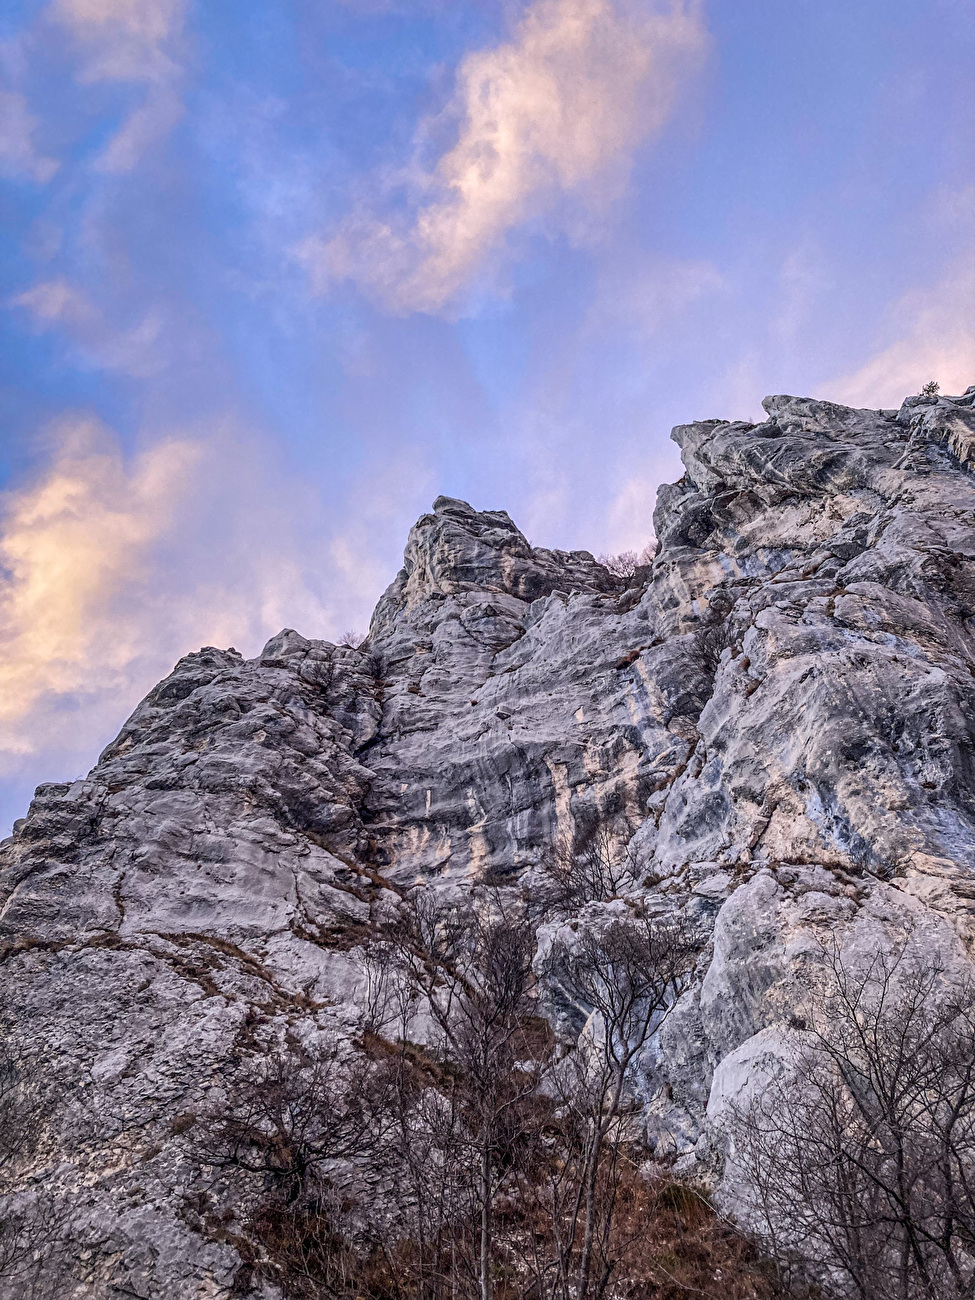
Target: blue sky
[{"x": 276, "y": 274}]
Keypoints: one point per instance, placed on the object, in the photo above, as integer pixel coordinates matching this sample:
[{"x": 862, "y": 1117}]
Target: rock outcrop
[{"x": 778, "y": 718}]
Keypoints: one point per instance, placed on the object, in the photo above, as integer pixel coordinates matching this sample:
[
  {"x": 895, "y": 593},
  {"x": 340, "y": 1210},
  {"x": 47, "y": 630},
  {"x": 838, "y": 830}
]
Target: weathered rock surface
[{"x": 779, "y": 716}]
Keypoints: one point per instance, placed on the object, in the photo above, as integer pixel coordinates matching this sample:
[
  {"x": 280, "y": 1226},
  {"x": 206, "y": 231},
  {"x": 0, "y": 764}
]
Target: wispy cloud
[
  {"x": 553, "y": 114},
  {"x": 151, "y": 121},
  {"x": 19, "y": 156},
  {"x": 928, "y": 332},
  {"x": 138, "y": 41},
  {"x": 629, "y": 520},
  {"x": 642, "y": 294},
  {"x": 138, "y": 350},
  {"x": 934, "y": 332},
  {"x": 124, "y": 40}
]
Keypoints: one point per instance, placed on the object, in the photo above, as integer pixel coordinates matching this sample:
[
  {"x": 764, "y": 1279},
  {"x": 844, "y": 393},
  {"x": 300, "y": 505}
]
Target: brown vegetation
[{"x": 492, "y": 1162}]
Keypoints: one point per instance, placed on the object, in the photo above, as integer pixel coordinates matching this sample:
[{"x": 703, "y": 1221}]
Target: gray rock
[{"x": 778, "y": 717}]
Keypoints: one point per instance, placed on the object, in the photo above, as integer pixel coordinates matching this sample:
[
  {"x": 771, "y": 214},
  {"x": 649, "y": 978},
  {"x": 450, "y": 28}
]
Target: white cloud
[
  {"x": 554, "y": 113},
  {"x": 56, "y": 301},
  {"x": 629, "y": 520},
  {"x": 130, "y": 40},
  {"x": 18, "y": 153},
  {"x": 72, "y": 546}
]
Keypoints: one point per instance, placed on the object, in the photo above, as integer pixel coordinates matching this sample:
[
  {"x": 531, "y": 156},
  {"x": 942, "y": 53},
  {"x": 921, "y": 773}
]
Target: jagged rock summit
[{"x": 778, "y": 718}]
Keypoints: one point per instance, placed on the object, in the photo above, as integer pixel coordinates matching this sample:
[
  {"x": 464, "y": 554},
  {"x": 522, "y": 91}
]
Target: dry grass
[
  {"x": 669, "y": 1244},
  {"x": 678, "y": 1247}
]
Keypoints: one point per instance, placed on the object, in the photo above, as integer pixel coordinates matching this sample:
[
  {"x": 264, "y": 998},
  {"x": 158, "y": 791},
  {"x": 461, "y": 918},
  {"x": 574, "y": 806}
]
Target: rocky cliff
[{"x": 776, "y": 718}]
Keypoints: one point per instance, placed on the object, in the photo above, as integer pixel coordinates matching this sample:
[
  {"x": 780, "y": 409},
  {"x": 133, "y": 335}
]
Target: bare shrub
[
  {"x": 668, "y": 1243},
  {"x": 860, "y": 1162},
  {"x": 293, "y": 1113},
  {"x": 931, "y": 389},
  {"x": 626, "y": 563},
  {"x": 352, "y": 640},
  {"x": 716, "y": 634},
  {"x": 708, "y": 646},
  {"x": 298, "y": 1132}
]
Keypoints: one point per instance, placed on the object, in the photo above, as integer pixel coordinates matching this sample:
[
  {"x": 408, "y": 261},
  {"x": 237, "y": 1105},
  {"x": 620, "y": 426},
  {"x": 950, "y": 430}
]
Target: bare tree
[
  {"x": 569, "y": 877},
  {"x": 424, "y": 1164},
  {"x": 625, "y": 563},
  {"x": 385, "y": 1167},
  {"x": 470, "y": 960},
  {"x": 544, "y": 1142},
  {"x": 623, "y": 974},
  {"x": 860, "y": 1160},
  {"x": 297, "y": 1131}
]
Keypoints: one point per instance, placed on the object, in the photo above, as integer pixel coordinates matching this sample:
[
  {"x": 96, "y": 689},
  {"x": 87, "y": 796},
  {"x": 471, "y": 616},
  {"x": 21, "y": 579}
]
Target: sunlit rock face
[{"x": 778, "y": 717}]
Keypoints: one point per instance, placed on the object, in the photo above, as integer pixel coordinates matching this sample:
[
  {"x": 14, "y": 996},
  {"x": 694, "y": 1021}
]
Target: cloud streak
[
  {"x": 139, "y": 351},
  {"x": 136, "y": 41},
  {"x": 555, "y": 114},
  {"x": 19, "y": 156},
  {"x": 124, "y": 40}
]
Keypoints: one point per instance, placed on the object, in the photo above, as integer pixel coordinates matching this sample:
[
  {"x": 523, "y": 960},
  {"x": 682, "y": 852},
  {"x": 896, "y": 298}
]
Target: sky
[{"x": 276, "y": 273}]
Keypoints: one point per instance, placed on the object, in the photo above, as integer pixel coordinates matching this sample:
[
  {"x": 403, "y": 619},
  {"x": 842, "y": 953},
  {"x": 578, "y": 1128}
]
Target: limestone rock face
[{"x": 778, "y": 718}]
